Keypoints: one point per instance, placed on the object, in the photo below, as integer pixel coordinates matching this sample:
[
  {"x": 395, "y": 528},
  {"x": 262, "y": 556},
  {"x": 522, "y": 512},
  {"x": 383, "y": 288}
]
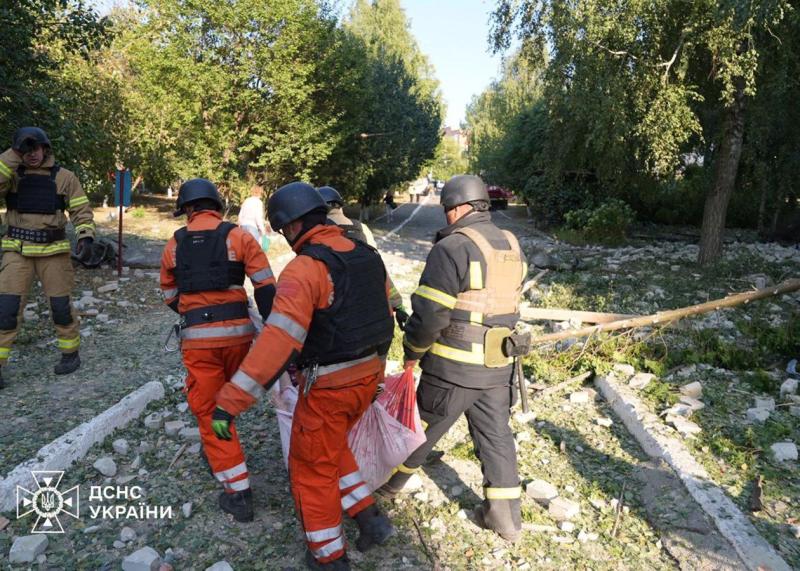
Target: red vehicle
[{"x": 500, "y": 197}]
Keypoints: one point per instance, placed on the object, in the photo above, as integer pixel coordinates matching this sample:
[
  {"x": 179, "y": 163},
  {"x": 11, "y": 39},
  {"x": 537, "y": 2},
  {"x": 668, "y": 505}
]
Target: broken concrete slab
[
  {"x": 173, "y": 427},
  {"x": 145, "y": 559},
  {"x": 27, "y": 548},
  {"x": 641, "y": 380},
  {"x": 121, "y": 446},
  {"x": 693, "y": 403},
  {"x": 579, "y": 397},
  {"x": 694, "y": 390},
  {"x": 190, "y": 433},
  {"x": 541, "y": 491},
  {"x": 789, "y": 387},
  {"x": 757, "y": 415},
  {"x": 767, "y": 403},
  {"x": 603, "y": 421},
  {"x": 783, "y": 451},
  {"x": 624, "y": 370},
  {"x": 220, "y": 566},
  {"x": 106, "y": 466},
  {"x": 684, "y": 427},
  {"x": 562, "y": 509}
]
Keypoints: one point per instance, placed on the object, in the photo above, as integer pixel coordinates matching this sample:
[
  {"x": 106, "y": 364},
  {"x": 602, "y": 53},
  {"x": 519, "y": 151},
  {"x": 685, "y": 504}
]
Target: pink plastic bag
[{"x": 284, "y": 397}]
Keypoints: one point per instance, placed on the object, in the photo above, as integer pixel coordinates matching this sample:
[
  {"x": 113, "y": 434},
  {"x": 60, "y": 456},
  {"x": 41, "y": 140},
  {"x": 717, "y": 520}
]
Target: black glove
[
  {"x": 83, "y": 248},
  {"x": 401, "y": 316}
]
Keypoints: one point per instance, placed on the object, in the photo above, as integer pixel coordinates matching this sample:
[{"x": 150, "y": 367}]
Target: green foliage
[
  {"x": 606, "y": 223},
  {"x": 447, "y": 161},
  {"x": 138, "y": 212}
]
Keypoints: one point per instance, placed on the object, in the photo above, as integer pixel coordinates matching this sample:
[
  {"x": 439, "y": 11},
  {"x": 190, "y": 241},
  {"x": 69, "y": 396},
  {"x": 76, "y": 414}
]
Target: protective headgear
[
  {"x": 331, "y": 195},
  {"x": 292, "y": 201},
  {"x": 195, "y": 189},
  {"x": 462, "y": 189},
  {"x": 26, "y": 138},
  {"x": 97, "y": 253}
]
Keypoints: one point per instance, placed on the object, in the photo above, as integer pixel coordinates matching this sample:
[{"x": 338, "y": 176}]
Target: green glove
[{"x": 221, "y": 423}]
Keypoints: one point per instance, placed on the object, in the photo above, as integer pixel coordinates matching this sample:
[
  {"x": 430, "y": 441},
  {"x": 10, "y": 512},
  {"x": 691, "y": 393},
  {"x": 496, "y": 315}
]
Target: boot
[
  {"x": 238, "y": 504},
  {"x": 375, "y": 528},
  {"x": 394, "y": 486},
  {"x": 504, "y": 519},
  {"x": 69, "y": 363},
  {"x": 341, "y": 564},
  {"x": 2, "y": 382}
]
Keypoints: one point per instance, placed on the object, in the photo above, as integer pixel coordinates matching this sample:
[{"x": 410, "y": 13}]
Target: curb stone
[{"x": 650, "y": 433}]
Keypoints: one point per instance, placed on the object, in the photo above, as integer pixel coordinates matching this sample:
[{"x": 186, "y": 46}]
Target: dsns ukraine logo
[{"x": 47, "y": 502}]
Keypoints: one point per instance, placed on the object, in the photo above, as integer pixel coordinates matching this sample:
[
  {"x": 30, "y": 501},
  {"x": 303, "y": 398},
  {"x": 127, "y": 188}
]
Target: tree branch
[
  {"x": 668, "y": 64},
  {"x": 614, "y": 52}
]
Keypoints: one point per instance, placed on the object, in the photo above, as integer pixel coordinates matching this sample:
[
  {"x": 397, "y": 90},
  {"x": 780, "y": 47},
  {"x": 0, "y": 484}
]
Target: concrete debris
[
  {"x": 579, "y": 397},
  {"x": 522, "y": 437},
  {"x": 679, "y": 409},
  {"x": 137, "y": 463},
  {"x": 27, "y": 548},
  {"x": 195, "y": 448},
  {"x": 220, "y": 566},
  {"x": 154, "y": 421},
  {"x": 598, "y": 503},
  {"x": 783, "y": 451},
  {"x": 456, "y": 491},
  {"x": 625, "y": 371},
  {"x": 525, "y": 417},
  {"x": 694, "y": 390},
  {"x": 192, "y": 434},
  {"x": 92, "y": 529},
  {"x": 173, "y": 427},
  {"x": 109, "y": 287},
  {"x": 791, "y": 368},
  {"x": 641, "y": 380},
  {"x": 584, "y": 537},
  {"x": 562, "y": 509},
  {"x": 693, "y": 403},
  {"x": 683, "y": 426},
  {"x": 124, "y": 480},
  {"x": 187, "y": 509},
  {"x": 789, "y": 387},
  {"x": 767, "y": 403},
  {"x": 541, "y": 491},
  {"x": 106, "y": 466},
  {"x": 603, "y": 421},
  {"x": 567, "y": 526},
  {"x": 118, "y": 544},
  {"x": 794, "y": 411},
  {"x": 127, "y": 534},
  {"x": 183, "y": 406},
  {"x": 757, "y": 415},
  {"x": 796, "y": 531},
  {"x": 145, "y": 559},
  {"x": 121, "y": 446}
]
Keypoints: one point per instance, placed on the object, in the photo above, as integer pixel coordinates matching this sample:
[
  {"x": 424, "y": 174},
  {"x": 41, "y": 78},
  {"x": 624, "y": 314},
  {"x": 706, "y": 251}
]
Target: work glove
[
  {"x": 221, "y": 423},
  {"x": 83, "y": 248},
  {"x": 401, "y": 316}
]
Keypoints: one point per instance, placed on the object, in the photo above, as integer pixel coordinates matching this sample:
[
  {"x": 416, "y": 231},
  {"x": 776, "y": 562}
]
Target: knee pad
[
  {"x": 9, "y": 308},
  {"x": 61, "y": 311}
]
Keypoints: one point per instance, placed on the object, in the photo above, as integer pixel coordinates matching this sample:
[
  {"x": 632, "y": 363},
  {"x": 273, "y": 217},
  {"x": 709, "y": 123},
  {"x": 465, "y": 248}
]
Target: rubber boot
[
  {"x": 375, "y": 528},
  {"x": 394, "y": 486},
  {"x": 341, "y": 564},
  {"x": 69, "y": 363},
  {"x": 238, "y": 504},
  {"x": 502, "y": 517}
]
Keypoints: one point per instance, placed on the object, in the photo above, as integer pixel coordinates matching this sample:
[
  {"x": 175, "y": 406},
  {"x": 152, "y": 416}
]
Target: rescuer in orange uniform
[
  {"x": 202, "y": 275},
  {"x": 332, "y": 318}
]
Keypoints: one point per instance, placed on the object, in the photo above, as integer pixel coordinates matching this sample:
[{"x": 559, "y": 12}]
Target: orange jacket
[
  {"x": 304, "y": 286},
  {"x": 241, "y": 247}
]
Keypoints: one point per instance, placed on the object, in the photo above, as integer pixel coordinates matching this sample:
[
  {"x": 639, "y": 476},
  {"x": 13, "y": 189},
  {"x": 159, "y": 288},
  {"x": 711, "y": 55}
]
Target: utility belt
[
  {"x": 36, "y": 236},
  {"x": 214, "y": 313},
  {"x": 312, "y": 371},
  {"x": 499, "y": 343}
]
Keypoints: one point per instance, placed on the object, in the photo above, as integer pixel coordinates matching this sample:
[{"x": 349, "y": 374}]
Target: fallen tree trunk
[
  {"x": 663, "y": 317},
  {"x": 557, "y": 314}
]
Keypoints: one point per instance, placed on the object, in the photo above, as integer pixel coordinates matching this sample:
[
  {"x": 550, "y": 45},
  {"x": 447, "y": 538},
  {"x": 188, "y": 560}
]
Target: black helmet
[
  {"x": 25, "y": 138},
  {"x": 331, "y": 195},
  {"x": 291, "y": 201},
  {"x": 463, "y": 188},
  {"x": 195, "y": 189}
]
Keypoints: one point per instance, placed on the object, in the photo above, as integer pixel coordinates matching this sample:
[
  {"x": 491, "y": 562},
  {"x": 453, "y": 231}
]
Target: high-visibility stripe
[
  {"x": 11, "y": 244},
  {"x": 476, "y": 317},
  {"x": 78, "y": 201},
  {"x": 67, "y": 344},
  {"x": 474, "y": 357},
  {"x": 329, "y": 548},
  {"x": 328, "y": 369},
  {"x": 261, "y": 275},
  {"x": 289, "y": 325},
  {"x": 414, "y": 348},
  {"x": 326, "y": 534},
  {"x": 239, "y": 486},
  {"x": 4, "y": 351},
  {"x": 28, "y": 249},
  {"x": 406, "y": 470},
  {"x": 231, "y": 473},
  {"x": 224, "y": 331},
  {"x": 248, "y": 384},
  {"x": 502, "y": 493},
  {"x": 350, "y": 480},
  {"x": 355, "y": 496},
  {"x": 475, "y": 276},
  {"x": 5, "y": 170},
  {"x": 88, "y": 226},
  {"x": 170, "y": 293},
  {"x": 436, "y": 295}
]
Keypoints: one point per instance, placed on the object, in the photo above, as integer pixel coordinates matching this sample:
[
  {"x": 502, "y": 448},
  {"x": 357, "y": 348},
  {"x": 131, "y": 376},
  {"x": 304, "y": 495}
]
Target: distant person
[
  {"x": 390, "y": 205},
  {"x": 251, "y": 214}
]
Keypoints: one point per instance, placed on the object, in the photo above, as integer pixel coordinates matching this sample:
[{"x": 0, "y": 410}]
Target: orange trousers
[
  {"x": 208, "y": 370},
  {"x": 322, "y": 470}
]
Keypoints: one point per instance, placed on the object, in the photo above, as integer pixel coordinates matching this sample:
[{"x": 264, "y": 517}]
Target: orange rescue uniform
[
  {"x": 323, "y": 472},
  {"x": 212, "y": 352}
]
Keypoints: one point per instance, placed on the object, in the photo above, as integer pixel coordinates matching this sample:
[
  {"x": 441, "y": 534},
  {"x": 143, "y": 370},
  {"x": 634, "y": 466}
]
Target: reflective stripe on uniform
[
  {"x": 28, "y": 249},
  {"x": 413, "y": 348},
  {"x": 502, "y": 493},
  {"x": 4, "y": 351},
  {"x": 170, "y": 293},
  {"x": 248, "y": 384},
  {"x": 208, "y": 332},
  {"x": 5, "y": 170},
  {"x": 329, "y": 548},
  {"x": 261, "y": 275},
  {"x": 289, "y": 325},
  {"x": 231, "y": 473},
  {"x": 355, "y": 496},
  {"x": 78, "y": 201},
  {"x": 474, "y": 357},
  {"x": 436, "y": 295},
  {"x": 475, "y": 276},
  {"x": 80, "y": 227},
  {"x": 326, "y": 534},
  {"x": 476, "y": 317},
  {"x": 239, "y": 486},
  {"x": 67, "y": 344},
  {"x": 406, "y": 470},
  {"x": 350, "y": 480},
  {"x": 328, "y": 369}
]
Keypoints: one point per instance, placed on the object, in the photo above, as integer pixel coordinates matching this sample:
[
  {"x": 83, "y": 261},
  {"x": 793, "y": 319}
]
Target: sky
[{"x": 454, "y": 35}]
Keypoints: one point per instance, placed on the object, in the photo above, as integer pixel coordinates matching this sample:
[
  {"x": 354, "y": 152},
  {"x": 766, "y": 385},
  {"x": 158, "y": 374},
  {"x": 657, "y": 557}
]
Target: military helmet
[
  {"x": 331, "y": 195},
  {"x": 195, "y": 189},
  {"x": 291, "y": 201},
  {"x": 26, "y": 138},
  {"x": 461, "y": 189}
]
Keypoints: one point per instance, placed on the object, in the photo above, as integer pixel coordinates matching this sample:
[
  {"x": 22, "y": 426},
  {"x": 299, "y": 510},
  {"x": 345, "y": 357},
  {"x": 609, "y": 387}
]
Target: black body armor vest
[
  {"x": 354, "y": 231},
  {"x": 201, "y": 260},
  {"x": 359, "y": 321},
  {"x": 36, "y": 193}
]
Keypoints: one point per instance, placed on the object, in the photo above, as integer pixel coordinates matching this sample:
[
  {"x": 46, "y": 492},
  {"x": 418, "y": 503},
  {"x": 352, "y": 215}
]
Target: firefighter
[
  {"x": 332, "y": 319},
  {"x": 466, "y": 304},
  {"x": 203, "y": 268},
  {"x": 38, "y": 193},
  {"x": 355, "y": 230}
]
